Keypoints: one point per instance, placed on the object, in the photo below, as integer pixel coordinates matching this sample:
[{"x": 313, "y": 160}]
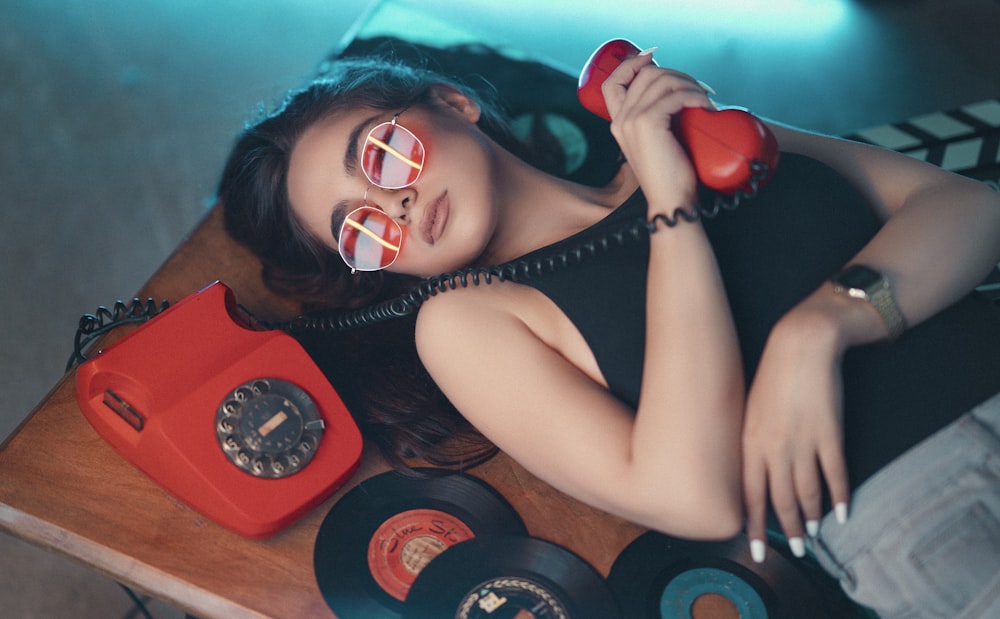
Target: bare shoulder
[
  {"x": 473, "y": 337},
  {"x": 504, "y": 319},
  {"x": 454, "y": 312},
  {"x": 458, "y": 326}
]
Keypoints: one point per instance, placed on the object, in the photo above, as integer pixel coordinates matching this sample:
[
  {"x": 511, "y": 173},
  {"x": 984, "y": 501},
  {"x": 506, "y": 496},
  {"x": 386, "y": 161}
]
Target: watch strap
[
  {"x": 866, "y": 284},
  {"x": 885, "y": 305}
]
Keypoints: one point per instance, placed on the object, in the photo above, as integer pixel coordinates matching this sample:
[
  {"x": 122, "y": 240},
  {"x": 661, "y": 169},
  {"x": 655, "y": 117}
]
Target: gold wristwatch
[{"x": 862, "y": 282}]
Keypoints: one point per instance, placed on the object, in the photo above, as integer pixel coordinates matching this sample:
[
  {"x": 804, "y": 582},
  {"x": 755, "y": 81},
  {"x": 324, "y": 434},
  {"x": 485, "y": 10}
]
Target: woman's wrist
[
  {"x": 666, "y": 201},
  {"x": 832, "y": 321}
]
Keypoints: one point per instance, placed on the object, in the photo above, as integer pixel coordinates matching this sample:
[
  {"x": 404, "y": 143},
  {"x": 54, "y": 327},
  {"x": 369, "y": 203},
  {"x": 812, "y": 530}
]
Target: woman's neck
[{"x": 536, "y": 209}]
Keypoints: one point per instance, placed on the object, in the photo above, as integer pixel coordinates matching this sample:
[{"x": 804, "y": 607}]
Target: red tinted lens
[
  {"x": 369, "y": 239},
  {"x": 392, "y": 157}
]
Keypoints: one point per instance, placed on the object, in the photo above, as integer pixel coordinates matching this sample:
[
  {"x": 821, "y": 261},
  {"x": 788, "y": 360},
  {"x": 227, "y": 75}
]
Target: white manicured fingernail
[
  {"x": 798, "y": 546},
  {"x": 758, "y": 550},
  {"x": 812, "y": 528},
  {"x": 648, "y": 52},
  {"x": 840, "y": 509},
  {"x": 708, "y": 89}
]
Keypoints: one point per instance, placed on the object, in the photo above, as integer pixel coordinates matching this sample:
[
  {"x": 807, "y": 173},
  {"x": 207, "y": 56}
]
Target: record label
[
  {"x": 520, "y": 598},
  {"x": 406, "y": 543},
  {"x": 710, "y": 592}
]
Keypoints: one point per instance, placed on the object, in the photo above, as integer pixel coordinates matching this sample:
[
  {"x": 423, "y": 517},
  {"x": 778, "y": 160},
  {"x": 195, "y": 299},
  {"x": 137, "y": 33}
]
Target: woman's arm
[
  {"x": 692, "y": 395},
  {"x": 942, "y": 231},
  {"x": 941, "y": 236},
  {"x": 673, "y": 464},
  {"x": 484, "y": 349}
]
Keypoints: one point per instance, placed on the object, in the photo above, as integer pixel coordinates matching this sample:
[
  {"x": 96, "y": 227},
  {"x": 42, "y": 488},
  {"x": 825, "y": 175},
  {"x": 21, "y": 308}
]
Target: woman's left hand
[{"x": 793, "y": 432}]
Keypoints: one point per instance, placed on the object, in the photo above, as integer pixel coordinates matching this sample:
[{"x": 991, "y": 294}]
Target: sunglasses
[{"x": 391, "y": 158}]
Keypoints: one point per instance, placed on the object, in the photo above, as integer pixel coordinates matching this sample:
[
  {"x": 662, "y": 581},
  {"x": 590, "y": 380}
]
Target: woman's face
[{"x": 447, "y": 215}]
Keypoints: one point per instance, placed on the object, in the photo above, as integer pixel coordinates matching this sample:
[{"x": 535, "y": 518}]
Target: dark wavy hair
[{"x": 376, "y": 370}]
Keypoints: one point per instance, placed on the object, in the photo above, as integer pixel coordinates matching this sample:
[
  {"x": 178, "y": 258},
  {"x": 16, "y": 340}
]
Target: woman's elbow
[
  {"x": 713, "y": 515},
  {"x": 722, "y": 526},
  {"x": 717, "y": 523}
]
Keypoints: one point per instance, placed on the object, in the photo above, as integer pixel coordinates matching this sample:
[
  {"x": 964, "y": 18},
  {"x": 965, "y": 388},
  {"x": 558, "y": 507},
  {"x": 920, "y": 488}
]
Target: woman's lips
[{"x": 434, "y": 220}]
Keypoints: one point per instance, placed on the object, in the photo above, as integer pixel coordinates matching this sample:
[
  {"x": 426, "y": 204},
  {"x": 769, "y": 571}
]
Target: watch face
[{"x": 858, "y": 276}]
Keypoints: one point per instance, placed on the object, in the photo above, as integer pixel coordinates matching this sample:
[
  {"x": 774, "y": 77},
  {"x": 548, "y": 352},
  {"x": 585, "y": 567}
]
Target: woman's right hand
[{"x": 642, "y": 99}]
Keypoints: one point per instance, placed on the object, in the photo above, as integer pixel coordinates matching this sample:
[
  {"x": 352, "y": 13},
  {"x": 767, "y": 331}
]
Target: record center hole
[{"x": 714, "y": 606}]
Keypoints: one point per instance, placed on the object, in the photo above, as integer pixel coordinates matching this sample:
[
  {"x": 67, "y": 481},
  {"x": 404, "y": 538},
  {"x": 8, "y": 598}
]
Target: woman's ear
[{"x": 457, "y": 101}]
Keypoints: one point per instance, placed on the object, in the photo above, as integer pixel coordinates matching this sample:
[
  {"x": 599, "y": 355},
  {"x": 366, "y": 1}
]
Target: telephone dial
[
  {"x": 239, "y": 424},
  {"x": 731, "y": 149}
]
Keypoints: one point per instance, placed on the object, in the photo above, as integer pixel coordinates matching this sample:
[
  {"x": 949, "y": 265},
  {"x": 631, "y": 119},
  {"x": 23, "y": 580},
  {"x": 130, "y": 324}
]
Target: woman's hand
[
  {"x": 793, "y": 431},
  {"x": 642, "y": 100}
]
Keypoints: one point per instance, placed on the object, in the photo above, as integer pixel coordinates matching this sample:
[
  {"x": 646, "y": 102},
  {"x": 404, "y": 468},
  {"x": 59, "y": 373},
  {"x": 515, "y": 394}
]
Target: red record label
[{"x": 405, "y": 543}]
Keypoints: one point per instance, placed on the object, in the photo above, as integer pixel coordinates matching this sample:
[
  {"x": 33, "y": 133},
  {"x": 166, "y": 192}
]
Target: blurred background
[{"x": 116, "y": 117}]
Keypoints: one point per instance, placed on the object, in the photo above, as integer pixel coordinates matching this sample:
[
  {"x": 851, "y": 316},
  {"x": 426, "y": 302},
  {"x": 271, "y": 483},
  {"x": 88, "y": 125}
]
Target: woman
[{"x": 685, "y": 381}]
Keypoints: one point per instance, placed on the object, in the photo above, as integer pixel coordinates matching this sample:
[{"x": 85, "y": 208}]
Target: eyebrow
[
  {"x": 339, "y": 213},
  {"x": 351, "y": 156}
]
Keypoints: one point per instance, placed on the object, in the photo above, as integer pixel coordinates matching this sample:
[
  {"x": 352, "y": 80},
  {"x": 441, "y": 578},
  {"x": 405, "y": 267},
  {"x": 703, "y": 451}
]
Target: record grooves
[{"x": 379, "y": 536}]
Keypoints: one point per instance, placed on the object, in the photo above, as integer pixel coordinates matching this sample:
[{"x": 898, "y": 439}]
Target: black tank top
[{"x": 772, "y": 252}]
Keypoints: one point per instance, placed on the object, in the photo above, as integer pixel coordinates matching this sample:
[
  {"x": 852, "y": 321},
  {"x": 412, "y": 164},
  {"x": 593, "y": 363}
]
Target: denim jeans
[{"x": 923, "y": 536}]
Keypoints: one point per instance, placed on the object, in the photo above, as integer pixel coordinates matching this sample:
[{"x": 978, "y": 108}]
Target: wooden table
[{"x": 63, "y": 488}]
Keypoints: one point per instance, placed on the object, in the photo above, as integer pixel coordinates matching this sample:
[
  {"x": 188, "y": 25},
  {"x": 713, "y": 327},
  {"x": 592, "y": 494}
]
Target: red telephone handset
[
  {"x": 725, "y": 146},
  {"x": 239, "y": 424}
]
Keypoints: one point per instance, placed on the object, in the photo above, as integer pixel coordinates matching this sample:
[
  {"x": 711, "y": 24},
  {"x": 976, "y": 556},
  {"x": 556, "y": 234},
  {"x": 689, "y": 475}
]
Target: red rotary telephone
[
  {"x": 725, "y": 146},
  {"x": 239, "y": 424}
]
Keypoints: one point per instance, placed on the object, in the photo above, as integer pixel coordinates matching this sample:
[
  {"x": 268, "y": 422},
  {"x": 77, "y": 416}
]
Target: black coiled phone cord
[
  {"x": 92, "y": 326},
  {"x": 517, "y": 270},
  {"x": 103, "y": 320}
]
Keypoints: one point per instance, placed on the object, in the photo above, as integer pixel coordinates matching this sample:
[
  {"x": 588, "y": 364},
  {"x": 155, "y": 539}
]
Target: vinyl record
[
  {"x": 661, "y": 577},
  {"x": 509, "y": 577},
  {"x": 377, "y": 537}
]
